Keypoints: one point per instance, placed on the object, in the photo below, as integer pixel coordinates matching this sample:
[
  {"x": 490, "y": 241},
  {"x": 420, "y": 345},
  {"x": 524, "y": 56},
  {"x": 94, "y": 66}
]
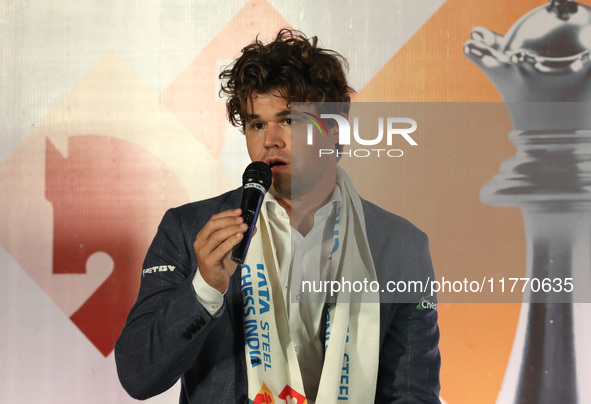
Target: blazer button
[
  {"x": 193, "y": 328},
  {"x": 196, "y": 325},
  {"x": 243, "y": 399}
]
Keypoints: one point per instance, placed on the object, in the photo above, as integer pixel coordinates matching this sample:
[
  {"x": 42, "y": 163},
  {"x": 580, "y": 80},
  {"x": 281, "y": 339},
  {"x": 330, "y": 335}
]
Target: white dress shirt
[{"x": 299, "y": 258}]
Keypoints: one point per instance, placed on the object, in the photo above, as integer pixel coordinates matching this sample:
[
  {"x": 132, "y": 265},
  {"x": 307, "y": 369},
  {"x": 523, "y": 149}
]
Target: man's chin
[
  {"x": 280, "y": 193},
  {"x": 281, "y": 186}
]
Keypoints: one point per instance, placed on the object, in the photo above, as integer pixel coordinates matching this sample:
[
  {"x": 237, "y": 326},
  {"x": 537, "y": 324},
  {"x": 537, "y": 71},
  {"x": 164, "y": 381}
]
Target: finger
[
  {"x": 227, "y": 213},
  {"x": 227, "y": 260},
  {"x": 221, "y": 235},
  {"x": 222, "y": 219},
  {"x": 223, "y": 250},
  {"x": 215, "y": 224},
  {"x": 206, "y": 247},
  {"x": 219, "y": 261}
]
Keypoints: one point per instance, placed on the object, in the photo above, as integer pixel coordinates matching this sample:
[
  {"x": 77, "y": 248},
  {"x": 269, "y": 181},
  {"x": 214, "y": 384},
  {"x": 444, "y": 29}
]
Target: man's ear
[{"x": 333, "y": 132}]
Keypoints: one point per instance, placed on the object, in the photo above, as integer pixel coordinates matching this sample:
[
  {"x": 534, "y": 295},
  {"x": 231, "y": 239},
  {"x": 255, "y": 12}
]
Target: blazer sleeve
[
  {"x": 409, "y": 356},
  {"x": 166, "y": 328}
]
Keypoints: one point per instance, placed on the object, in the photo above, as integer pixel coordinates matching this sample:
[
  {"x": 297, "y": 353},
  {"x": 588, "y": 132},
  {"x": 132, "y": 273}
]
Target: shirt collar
[{"x": 277, "y": 211}]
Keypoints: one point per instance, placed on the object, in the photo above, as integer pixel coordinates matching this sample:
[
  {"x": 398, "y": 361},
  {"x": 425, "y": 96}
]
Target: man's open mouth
[{"x": 275, "y": 163}]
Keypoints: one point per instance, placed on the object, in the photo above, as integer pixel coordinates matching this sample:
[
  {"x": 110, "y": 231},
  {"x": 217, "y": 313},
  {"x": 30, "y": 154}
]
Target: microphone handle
[{"x": 252, "y": 198}]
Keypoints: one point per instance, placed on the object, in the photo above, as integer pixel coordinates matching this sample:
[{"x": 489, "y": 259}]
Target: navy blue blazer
[{"x": 169, "y": 335}]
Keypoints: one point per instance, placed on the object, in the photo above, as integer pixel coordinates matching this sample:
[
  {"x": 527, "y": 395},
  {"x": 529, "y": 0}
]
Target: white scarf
[{"x": 350, "y": 368}]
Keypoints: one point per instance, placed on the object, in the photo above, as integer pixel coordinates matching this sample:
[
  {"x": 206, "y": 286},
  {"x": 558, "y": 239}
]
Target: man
[{"x": 238, "y": 334}]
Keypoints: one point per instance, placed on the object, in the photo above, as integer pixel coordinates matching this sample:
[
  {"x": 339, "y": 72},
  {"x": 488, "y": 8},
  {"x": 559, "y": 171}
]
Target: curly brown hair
[{"x": 291, "y": 64}]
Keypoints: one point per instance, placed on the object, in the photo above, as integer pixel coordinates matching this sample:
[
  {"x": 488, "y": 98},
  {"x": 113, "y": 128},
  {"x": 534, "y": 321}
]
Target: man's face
[{"x": 268, "y": 131}]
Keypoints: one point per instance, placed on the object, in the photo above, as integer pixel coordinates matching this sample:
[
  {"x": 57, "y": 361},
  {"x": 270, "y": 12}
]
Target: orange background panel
[{"x": 476, "y": 338}]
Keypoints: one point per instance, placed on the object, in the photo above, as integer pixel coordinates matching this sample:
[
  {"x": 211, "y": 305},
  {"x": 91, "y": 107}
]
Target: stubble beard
[{"x": 281, "y": 187}]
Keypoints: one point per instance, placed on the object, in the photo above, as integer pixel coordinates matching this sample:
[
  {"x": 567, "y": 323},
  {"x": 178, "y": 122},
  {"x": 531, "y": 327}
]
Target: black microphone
[{"x": 256, "y": 181}]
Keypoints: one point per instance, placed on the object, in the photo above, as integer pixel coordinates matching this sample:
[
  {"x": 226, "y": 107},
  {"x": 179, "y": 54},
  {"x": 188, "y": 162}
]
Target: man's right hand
[{"x": 213, "y": 246}]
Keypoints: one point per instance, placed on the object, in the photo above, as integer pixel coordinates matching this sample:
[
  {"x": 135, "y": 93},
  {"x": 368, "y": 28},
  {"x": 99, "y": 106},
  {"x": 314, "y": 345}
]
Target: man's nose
[{"x": 275, "y": 136}]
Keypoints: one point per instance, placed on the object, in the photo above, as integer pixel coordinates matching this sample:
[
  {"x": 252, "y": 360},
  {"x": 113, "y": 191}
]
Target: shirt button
[
  {"x": 215, "y": 306},
  {"x": 297, "y": 348}
]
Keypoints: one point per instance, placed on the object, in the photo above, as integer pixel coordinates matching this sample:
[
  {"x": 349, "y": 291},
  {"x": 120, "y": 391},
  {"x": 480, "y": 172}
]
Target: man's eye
[
  {"x": 290, "y": 121},
  {"x": 257, "y": 126}
]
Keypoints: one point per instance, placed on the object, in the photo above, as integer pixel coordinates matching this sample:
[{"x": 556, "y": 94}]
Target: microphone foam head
[{"x": 258, "y": 172}]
